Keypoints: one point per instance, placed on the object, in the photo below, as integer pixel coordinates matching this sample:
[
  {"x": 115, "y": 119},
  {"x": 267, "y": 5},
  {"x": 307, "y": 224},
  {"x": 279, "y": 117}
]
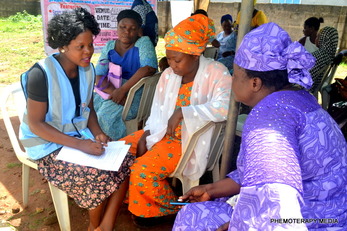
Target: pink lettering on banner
[{"x": 62, "y": 6}]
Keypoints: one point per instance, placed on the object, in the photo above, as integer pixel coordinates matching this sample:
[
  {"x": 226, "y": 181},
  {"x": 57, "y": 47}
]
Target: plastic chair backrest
[
  {"x": 13, "y": 104},
  {"x": 216, "y": 150},
  {"x": 324, "y": 70},
  {"x": 240, "y": 122},
  {"x": 211, "y": 52},
  {"x": 149, "y": 84},
  {"x": 216, "y": 147}
]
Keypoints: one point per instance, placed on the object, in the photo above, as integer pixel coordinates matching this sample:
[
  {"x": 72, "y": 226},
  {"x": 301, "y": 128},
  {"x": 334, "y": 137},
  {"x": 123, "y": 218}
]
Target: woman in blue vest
[{"x": 59, "y": 92}]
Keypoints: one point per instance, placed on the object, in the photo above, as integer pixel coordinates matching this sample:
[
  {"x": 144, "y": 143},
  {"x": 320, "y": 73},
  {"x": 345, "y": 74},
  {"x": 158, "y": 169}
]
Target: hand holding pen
[
  {"x": 103, "y": 138},
  {"x": 93, "y": 146}
]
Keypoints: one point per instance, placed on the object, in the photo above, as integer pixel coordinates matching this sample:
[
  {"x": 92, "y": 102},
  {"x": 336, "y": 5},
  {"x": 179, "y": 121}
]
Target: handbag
[{"x": 114, "y": 77}]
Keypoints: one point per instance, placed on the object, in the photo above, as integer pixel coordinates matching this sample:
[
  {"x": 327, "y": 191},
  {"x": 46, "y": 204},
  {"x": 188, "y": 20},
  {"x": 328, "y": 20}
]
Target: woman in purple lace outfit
[{"x": 292, "y": 166}]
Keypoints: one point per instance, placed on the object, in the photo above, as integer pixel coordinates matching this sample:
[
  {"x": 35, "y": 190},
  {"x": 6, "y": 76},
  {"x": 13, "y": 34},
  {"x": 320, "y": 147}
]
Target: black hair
[
  {"x": 130, "y": 14},
  {"x": 163, "y": 62},
  {"x": 277, "y": 79},
  {"x": 314, "y": 22},
  {"x": 65, "y": 27},
  {"x": 163, "y": 59},
  {"x": 200, "y": 11}
]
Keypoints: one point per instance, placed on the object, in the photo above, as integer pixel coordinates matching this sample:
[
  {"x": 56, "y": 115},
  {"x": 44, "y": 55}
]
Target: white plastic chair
[
  {"x": 12, "y": 98},
  {"x": 240, "y": 122},
  {"x": 215, "y": 152},
  {"x": 149, "y": 84},
  {"x": 211, "y": 52}
]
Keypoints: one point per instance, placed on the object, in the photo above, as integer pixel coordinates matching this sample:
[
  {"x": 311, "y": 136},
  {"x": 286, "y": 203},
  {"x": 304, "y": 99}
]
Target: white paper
[{"x": 110, "y": 160}]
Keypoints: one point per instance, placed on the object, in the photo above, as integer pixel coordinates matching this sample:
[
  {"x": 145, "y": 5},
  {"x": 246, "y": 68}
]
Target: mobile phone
[{"x": 179, "y": 203}]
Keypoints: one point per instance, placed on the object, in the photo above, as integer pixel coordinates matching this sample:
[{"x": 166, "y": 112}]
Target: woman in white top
[
  {"x": 226, "y": 42},
  {"x": 311, "y": 27}
]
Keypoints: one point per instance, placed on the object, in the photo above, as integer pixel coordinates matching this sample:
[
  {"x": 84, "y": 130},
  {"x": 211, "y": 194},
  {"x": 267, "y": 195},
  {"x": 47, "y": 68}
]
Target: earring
[{"x": 62, "y": 51}]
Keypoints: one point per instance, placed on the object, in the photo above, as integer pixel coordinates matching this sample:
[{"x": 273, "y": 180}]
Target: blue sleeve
[
  {"x": 234, "y": 175},
  {"x": 102, "y": 65},
  {"x": 148, "y": 57},
  {"x": 231, "y": 43}
]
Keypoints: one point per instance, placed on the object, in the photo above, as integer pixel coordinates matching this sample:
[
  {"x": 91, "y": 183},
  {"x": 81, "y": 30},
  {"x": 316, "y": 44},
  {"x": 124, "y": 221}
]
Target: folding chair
[
  {"x": 327, "y": 80},
  {"x": 13, "y": 96},
  {"x": 326, "y": 70},
  {"x": 214, "y": 154},
  {"x": 149, "y": 84}
]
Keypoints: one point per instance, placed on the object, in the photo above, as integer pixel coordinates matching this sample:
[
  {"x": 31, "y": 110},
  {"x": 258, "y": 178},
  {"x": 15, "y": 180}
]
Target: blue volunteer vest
[{"x": 61, "y": 107}]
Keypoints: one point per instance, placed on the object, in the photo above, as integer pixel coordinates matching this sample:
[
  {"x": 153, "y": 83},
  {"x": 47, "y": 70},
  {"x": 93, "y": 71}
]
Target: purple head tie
[{"x": 269, "y": 48}]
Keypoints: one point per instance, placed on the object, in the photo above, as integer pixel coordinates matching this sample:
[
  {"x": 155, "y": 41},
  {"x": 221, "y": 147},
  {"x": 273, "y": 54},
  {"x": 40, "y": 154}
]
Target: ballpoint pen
[{"x": 86, "y": 135}]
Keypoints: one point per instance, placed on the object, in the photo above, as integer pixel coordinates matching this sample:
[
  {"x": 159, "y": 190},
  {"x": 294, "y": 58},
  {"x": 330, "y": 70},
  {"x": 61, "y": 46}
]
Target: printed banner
[{"x": 105, "y": 12}]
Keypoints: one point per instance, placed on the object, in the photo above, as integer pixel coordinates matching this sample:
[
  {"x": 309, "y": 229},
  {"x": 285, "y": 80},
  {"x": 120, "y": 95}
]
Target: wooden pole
[{"x": 247, "y": 7}]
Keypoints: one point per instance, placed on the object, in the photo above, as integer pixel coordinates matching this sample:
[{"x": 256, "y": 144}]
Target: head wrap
[
  {"x": 130, "y": 14},
  {"x": 191, "y": 35},
  {"x": 327, "y": 41},
  {"x": 225, "y": 18},
  {"x": 269, "y": 48}
]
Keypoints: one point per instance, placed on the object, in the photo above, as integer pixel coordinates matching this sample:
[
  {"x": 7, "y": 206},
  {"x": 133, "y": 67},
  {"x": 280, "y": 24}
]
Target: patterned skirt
[{"x": 88, "y": 186}]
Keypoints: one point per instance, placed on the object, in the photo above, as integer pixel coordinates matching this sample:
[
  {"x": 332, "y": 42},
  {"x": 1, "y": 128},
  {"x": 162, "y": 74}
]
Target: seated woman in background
[
  {"x": 326, "y": 42},
  {"x": 311, "y": 28},
  {"x": 149, "y": 19},
  {"x": 226, "y": 42},
  {"x": 59, "y": 93},
  {"x": 191, "y": 92},
  {"x": 258, "y": 18},
  {"x": 137, "y": 58},
  {"x": 292, "y": 159}
]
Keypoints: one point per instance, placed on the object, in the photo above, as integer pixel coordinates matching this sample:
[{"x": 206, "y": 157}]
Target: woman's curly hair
[{"x": 67, "y": 26}]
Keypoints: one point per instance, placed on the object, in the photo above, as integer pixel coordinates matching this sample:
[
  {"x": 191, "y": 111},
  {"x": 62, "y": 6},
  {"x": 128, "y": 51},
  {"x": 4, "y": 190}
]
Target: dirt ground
[{"x": 40, "y": 213}]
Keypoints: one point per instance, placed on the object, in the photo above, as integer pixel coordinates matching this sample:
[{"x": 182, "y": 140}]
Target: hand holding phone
[
  {"x": 180, "y": 203},
  {"x": 338, "y": 82},
  {"x": 341, "y": 82}
]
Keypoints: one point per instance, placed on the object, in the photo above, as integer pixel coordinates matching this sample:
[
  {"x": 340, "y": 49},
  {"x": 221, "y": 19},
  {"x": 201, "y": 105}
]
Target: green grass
[
  {"x": 13, "y": 165},
  {"x": 160, "y": 48},
  {"x": 341, "y": 71},
  {"x": 21, "y": 45},
  {"x": 37, "y": 191}
]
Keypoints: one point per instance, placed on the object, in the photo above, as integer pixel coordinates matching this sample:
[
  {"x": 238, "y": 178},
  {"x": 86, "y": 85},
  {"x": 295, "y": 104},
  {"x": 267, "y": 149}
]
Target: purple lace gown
[{"x": 292, "y": 169}]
